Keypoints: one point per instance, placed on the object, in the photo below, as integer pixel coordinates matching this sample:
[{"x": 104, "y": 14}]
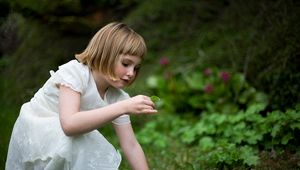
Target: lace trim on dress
[
  {"x": 68, "y": 85},
  {"x": 59, "y": 80}
]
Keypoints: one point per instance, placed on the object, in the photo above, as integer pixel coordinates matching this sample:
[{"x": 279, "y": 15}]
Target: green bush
[
  {"x": 259, "y": 39},
  {"x": 210, "y": 90},
  {"x": 225, "y": 140},
  {"x": 219, "y": 115}
]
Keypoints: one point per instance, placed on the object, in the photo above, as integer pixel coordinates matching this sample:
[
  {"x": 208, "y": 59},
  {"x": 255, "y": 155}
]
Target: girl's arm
[
  {"x": 74, "y": 121},
  {"x": 131, "y": 148}
]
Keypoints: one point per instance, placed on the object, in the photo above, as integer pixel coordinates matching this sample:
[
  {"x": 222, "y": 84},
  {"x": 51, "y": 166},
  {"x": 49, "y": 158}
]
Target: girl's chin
[{"x": 119, "y": 85}]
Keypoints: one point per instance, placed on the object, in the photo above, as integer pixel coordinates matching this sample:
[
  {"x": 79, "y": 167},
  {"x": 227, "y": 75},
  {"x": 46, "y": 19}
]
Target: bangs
[{"x": 134, "y": 45}]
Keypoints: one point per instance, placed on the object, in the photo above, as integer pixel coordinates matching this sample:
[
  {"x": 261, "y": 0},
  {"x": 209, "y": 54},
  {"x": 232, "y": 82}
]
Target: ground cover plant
[{"x": 223, "y": 123}]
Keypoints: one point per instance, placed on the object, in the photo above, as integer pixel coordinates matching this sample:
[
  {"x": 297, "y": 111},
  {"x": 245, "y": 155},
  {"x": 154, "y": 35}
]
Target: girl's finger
[
  {"x": 148, "y": 107},
  {"x": 149, "y": 103},
  {"x": 150, "y": 111}
]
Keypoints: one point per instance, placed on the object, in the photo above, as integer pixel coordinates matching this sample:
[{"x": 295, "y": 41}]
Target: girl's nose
[{"x": 130, "y": 72}]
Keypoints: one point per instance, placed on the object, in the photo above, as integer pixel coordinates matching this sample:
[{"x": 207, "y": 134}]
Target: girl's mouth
[{"x": 125, "y": 80}]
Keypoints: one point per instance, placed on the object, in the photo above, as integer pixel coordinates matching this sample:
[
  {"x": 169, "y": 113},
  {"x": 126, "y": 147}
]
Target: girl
[{"x": 57, "y": 129}]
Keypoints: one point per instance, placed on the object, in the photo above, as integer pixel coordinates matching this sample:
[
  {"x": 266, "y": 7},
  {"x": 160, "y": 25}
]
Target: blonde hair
[{"x": 105, "y": 48}]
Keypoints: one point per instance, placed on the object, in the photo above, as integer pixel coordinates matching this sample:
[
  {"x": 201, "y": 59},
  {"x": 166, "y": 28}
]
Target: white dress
[{"x": 38, "y": 141}]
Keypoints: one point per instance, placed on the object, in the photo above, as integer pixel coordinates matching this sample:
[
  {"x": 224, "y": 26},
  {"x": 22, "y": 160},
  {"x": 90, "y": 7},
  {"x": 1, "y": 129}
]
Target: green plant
[
  {"x": 225, "y": 140},
  {"x": 229, "y": 126},
  {"x": 210, "y": 90}
]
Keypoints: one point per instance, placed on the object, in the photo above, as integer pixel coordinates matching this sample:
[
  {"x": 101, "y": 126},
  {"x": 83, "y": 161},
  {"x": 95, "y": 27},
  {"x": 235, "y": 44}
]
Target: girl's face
[{"x": 125, "y": 71}]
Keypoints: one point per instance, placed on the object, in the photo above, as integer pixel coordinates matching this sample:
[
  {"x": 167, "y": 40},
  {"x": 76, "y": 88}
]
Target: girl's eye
[{"x": 125, "y": 64}]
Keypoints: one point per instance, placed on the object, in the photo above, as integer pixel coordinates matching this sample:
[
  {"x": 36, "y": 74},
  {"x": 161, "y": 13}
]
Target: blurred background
[{"x": 226, "y": 71}]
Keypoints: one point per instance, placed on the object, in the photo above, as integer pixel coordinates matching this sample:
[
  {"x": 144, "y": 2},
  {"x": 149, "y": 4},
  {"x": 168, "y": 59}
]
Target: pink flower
[
  {"x": 164, "y": 61},
  {"x": 225, "y": 76},
  {"x": 208, "y": 88},
  {"x": 207, "y": 71}
]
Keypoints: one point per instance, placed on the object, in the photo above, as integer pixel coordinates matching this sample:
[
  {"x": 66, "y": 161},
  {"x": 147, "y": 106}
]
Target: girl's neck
[{"x": 101, "y": 83}]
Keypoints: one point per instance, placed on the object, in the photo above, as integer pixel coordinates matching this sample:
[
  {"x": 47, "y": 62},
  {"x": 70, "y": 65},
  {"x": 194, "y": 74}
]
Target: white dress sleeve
[
  {"x": 124, "y": 119},
  {"x": 72, "y": 74}
]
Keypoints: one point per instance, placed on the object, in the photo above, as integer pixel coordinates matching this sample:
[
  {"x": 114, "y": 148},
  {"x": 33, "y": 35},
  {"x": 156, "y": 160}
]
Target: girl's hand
[{"x": 140, "y": 104}]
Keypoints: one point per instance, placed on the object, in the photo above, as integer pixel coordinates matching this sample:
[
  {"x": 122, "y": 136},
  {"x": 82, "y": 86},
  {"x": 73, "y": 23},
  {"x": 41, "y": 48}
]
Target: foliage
[
  {"x": 211, "y": 90},
  {"x": 67, "y": 7},
  {"x": 36, "y": 54},
  {"x": 229, "y": 126},
  {"x": 260, "y": 39},
  {"x": 43, "y": 7},
  {"x": 226, "y": 140}
]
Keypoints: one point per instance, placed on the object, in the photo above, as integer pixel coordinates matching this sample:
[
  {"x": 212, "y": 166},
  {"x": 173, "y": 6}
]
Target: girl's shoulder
[
  {"x": 74, "y": 67},
  {"x": 73, "y": 74},
  {"x": 74, "y": 64}
]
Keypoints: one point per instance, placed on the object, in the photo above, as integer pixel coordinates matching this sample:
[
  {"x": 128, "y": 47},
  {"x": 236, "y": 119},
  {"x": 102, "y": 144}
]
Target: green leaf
[
  {"x": 286, "y": 138},
  {"x": 295, "y": 125},
  {"x": 189, "y": 136},
  {"x": 275, "y": 130},
  {"x": 220, "y": 119},
  {"x": 194, "y": 81},
  {"x": 260, "y": 97},
  {"x": 160, "y": 142},
  {"x": 246, "y": 95},
  {"x": 157, "y": 101},
  {"x": 238, "y": 82},
  {"x": 248, "y": 155},
  {"x": 252, "y": 137},
  {"x": 256, "y": 108},
  {"x": 155, "y": 98},
  {"x": 237, "y": 117},
  {"x": 206, "y": 143}
]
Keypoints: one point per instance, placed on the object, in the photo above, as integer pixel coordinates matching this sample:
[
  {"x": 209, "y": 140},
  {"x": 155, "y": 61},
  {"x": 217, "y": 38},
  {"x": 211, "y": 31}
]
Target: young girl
[{"x": 57, "y": 129}]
